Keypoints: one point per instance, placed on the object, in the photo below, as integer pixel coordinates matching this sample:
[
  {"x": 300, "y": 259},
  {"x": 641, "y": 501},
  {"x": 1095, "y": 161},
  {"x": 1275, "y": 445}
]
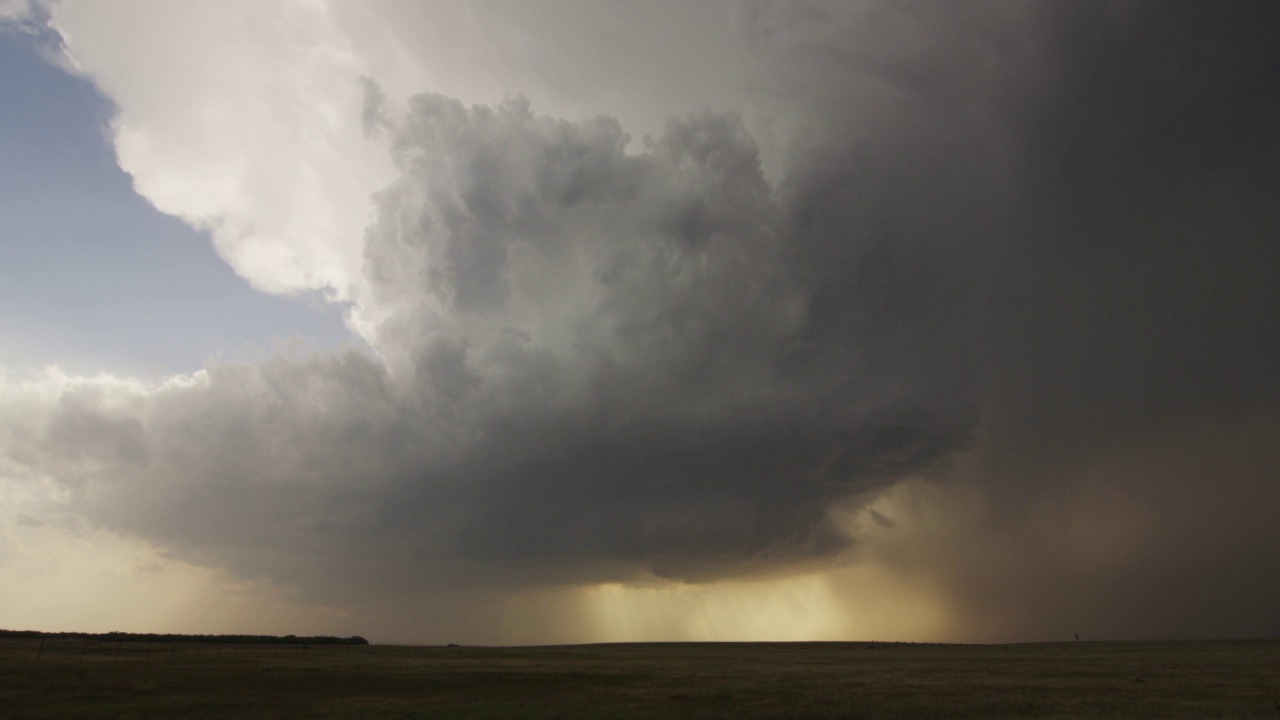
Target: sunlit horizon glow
[{"x": 105, "y": 583}]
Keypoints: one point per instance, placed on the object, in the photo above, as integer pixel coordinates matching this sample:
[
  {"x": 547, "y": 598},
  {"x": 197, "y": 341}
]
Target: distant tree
[{"x": 117, "y": 636}]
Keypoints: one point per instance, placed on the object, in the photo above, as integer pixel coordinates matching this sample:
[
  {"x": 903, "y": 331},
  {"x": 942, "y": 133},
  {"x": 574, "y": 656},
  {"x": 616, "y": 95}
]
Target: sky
[
  {"x": 510, "y": 323},
  {"x": 93, "y": 278}
]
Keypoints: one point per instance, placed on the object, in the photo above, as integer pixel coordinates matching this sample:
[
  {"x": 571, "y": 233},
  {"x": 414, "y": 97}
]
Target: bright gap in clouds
[{"x": 92, "y": 277}]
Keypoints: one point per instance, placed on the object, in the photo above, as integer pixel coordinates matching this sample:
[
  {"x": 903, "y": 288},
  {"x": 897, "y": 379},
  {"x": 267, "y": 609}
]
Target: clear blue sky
[{"x": 92, "y": 277}]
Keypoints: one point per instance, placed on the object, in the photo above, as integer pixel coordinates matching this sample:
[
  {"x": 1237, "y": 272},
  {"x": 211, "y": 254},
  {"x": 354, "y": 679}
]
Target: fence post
[
  {"x": 40, "y": 651},
  {"x": 119, "y": 646},
  {"x": 83, "y": 649}
]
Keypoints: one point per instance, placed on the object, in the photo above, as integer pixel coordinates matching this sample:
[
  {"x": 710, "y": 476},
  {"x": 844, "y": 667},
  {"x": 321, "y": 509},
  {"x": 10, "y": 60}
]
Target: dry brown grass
[{"x": 853, "y": 680}]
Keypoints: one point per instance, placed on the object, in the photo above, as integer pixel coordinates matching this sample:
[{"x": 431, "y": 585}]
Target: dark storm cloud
[
  {"x": 1135, "y": 294},
  {"x": 707, "y": 386},
  {"x": 1047, "y": 230},
  {"x": 593, "y": 366},
  {"x": 1127, "y": 454},
  {"x": 1148, "y": 218}
]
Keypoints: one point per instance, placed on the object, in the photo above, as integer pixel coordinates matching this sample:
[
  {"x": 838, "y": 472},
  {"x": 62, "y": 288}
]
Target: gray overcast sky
[{"x": 941, "y": 320}]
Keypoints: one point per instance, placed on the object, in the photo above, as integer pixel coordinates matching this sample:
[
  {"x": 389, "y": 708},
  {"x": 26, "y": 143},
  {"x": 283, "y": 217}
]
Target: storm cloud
[
  {"x": 1123, "y": 476},
  {"x": 1014, "y": 262},
  {"x": 593, "y": 366}
]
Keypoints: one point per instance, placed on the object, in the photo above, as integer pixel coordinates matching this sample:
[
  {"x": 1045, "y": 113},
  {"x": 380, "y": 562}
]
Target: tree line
[{"x": 176, "y": 638}]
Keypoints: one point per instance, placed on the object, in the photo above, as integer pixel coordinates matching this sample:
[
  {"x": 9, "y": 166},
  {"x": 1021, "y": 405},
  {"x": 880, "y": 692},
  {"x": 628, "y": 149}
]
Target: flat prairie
[{"x": 69, "y": 678}]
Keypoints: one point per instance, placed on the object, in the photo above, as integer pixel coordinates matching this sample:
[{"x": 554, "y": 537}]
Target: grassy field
[{"x": 74, "y": 679}]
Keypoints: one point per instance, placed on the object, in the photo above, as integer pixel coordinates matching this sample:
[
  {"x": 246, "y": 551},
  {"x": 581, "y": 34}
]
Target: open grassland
[{"x": 75, "y": 679}]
